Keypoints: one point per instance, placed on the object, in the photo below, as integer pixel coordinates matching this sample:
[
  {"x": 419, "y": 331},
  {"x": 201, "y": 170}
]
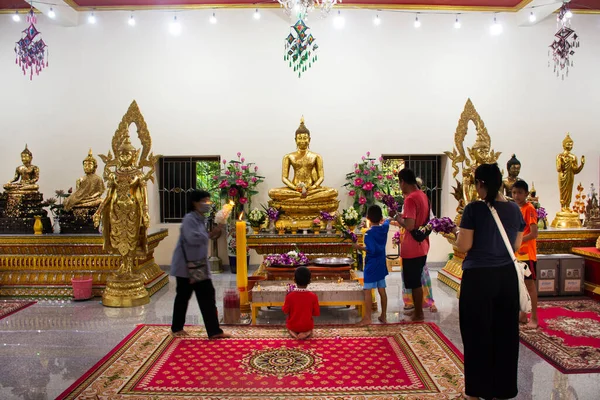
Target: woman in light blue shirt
[{"x": 192, "y": 247}]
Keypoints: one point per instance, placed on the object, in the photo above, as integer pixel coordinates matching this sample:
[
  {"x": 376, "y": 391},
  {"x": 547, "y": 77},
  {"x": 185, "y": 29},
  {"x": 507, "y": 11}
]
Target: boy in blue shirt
[{"x": 375, "y": 268}]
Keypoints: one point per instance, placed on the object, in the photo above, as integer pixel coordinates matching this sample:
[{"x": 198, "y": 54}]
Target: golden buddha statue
[
  {"x": 124, "y": 211},
  {"x": 514, "y": 168},
  {"x": 303, "y": 197},
  {"x": 88, "y": 188},
  {"x": 567, "y": 167},
  {"x": 27, "y": 173}
]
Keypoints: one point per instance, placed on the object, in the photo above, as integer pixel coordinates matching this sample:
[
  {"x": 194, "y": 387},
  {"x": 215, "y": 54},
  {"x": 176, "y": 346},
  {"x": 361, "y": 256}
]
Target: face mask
[{"x": 204, "y": 208}]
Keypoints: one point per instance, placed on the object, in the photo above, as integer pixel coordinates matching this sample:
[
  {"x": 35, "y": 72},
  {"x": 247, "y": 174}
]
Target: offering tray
[{"x": 333, "y": 261}]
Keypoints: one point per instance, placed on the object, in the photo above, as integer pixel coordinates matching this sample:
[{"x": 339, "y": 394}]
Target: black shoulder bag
[{"x": 198, "y": 270}]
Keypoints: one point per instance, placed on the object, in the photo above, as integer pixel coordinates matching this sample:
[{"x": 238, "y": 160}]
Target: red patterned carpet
[
  {"x": 8, "y": 307},
  {"x": 568, "y": 336},
  {"x": 413, "y": 361}
]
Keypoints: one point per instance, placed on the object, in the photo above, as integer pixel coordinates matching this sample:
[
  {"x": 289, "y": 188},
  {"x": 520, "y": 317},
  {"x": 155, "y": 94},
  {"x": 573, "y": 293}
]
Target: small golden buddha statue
[
  {"x": 28, "y": 175},
  {"x": 513, "y": 167},
  {"x": 567, "y": 167},
  {"x": 88, "y": 188},
  {"x": 303, "y": 197}
]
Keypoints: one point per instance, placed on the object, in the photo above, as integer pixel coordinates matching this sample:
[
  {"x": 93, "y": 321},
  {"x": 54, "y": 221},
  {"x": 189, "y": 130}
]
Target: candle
[{"x": 242, "y": 266}]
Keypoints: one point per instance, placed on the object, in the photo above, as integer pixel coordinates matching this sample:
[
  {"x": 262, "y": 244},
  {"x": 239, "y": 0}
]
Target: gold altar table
[
  {"x": 549, "y": 241},
  {"x": 43, "y": 265},
  {"x": 314, "y": 246},
  {"x": 272, "y": 294}
]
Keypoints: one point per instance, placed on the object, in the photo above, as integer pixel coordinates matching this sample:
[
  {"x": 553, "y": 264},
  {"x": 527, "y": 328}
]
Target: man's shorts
[
  {"x": 531, "y": 265},
  {"x": 374, "y": 285},
  {"x": 412, "y": 270}
]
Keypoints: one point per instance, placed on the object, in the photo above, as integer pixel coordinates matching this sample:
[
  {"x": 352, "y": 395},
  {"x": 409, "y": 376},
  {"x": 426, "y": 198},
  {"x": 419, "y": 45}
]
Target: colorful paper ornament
[
  {"x": 300, "y": 48},
  {"x": 563, "y": 47},
  {"x": 31, "y": 50}
]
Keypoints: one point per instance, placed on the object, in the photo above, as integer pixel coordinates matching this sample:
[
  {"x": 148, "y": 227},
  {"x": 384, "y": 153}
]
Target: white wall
[{"x": 219, "y": 89}]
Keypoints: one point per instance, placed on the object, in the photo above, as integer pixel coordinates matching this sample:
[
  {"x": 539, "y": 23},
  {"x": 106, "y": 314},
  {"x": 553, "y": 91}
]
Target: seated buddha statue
[
  {"x": 88, "y": 189},
  {"x": 514, "y": 168},
  {"x": 303, "y": 197},
  {"x": 25, "y": 177}
]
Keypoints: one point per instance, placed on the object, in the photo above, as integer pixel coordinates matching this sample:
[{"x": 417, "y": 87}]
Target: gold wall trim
[{"x": 408, "y": 7}]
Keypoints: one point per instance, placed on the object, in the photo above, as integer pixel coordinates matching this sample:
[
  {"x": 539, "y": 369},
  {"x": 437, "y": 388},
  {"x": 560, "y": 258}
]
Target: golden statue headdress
[
  {"x": 567, "y": 139},
  {"x": 302, "y": 128},
  {"x": 126, "y": 145},
  {"x": 26, "y": 151},
  {"x": 90, "y": 157}
]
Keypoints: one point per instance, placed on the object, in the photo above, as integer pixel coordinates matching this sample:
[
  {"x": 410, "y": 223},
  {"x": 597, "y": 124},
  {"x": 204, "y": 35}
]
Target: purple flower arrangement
[
  {"x": 541, "y": 213},
  {"x": 347, "y": 234},
  {"x": 440, "y": 225},
  {"x": 291, "y": 258},
  {"x": 325, "y": 216},
  {"x": 396, "y": 238},
  {"x": 273, "y": 214},
  {"x": 390, "y": 202}
]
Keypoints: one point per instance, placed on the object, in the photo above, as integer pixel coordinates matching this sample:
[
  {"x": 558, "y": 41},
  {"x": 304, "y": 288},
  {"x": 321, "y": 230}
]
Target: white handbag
[{"x": 524, "y": 299}]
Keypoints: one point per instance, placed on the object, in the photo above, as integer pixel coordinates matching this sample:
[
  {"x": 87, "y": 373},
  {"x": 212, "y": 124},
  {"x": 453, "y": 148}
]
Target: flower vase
[
  {"x": 316, "y": 230},
  {"x": 351, "y": 228},
  {"x": 272, "y": 227},
  {"x": 256, "y": 230},
  {"x": 281, "y": 231},
  {"x": 56, "y": 226},
  {"x": 329, "y": 227}
]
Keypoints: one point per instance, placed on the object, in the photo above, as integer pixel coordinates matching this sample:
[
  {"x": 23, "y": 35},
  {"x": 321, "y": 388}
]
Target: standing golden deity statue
[
  {"x": 26, "y": 175},
  {"x": 481, "y": 153},
  {"x": 88, "y": 189},
  {"x": 303, "y": 197},
  {"x": 514, "y": 168},
  {"x": 124, "y": 211},
  {"x": 567, "y": 167}
]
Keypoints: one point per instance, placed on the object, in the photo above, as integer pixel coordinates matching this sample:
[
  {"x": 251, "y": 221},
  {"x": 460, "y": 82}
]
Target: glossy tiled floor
[{"x": 46, "y": 347}]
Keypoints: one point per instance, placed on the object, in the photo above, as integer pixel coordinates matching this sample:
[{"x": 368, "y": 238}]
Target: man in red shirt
[
  {"x": 301, "y": 305},
  {"x": 415, "y": 214}
]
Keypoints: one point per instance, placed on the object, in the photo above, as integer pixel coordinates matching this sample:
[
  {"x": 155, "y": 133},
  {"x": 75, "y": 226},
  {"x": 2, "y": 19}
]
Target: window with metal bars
[
  {"x": 177, "y": 176},
  {"x": 428, "y": 168}
]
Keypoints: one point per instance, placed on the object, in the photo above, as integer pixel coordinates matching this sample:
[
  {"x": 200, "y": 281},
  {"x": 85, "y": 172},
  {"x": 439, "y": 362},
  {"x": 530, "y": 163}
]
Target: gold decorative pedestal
[
  {"x": 126, "y": 291},
  {"x": 314, "y": 246},
  {"x": 566, "y": 220},
  {"x": 42, "y": 266}
]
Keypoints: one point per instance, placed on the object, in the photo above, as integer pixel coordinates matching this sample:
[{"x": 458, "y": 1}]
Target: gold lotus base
[
  {"x": 125, "y": 291},
  {"x": 566, "y": 220},
  {"x": 302, "y": 215},
  {"x": 42, "y": 266}
]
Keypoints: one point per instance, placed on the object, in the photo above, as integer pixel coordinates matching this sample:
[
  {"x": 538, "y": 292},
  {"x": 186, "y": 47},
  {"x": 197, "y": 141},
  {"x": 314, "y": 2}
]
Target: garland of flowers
[
  {"x": 291, "y": 258},
  {"x": 368, "y": 183}
]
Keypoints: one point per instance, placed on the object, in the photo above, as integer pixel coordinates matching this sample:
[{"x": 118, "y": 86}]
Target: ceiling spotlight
[
  {"x": 16, "y": 16},
  {"x": 532, "y": 17},
  {"x": 496, "y": 27},
  {"x": 213, "y": 19},
  {"x": 457, "y": 23},
  {"x": 417, "y": 22},
  {"x": 256, "y": 14},
  {"x": 339, "y": 21},
  {"x": 131, "y": 21},
  {"x": 92, "y": 18},
  {"x": 51, "y": 13},
  {"x": 377, "y": 20},
  {"x": 175, "y": 27}
]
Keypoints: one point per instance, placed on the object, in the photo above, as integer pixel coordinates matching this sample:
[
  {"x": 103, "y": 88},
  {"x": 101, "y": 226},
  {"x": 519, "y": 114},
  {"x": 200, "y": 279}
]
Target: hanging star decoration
[
  {"x": 563, "y": 47},
  {"x": 300, "y": 48},
  {"x": 31, "y": 51}
]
